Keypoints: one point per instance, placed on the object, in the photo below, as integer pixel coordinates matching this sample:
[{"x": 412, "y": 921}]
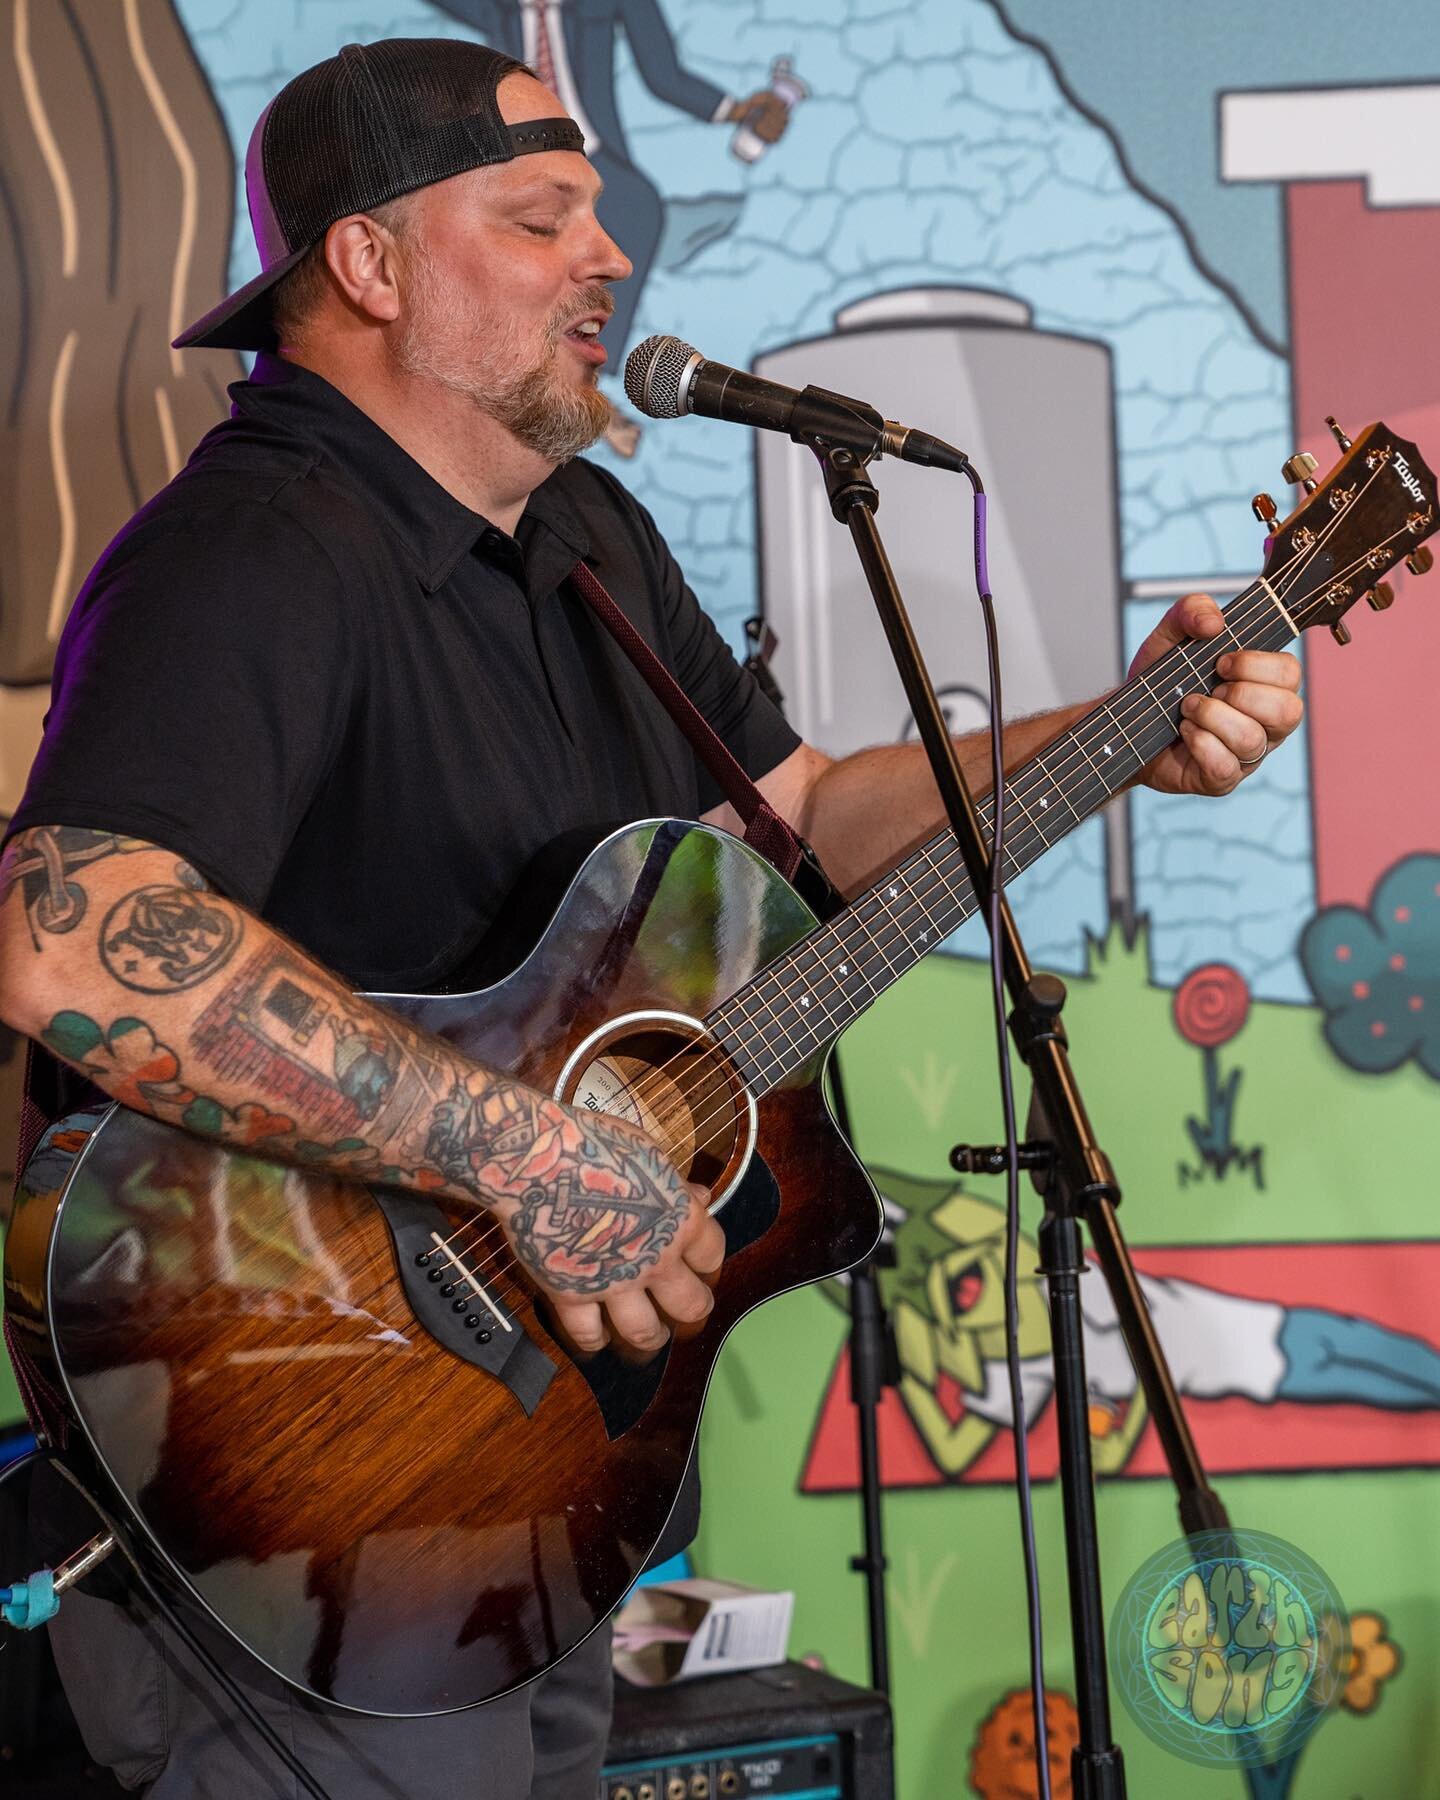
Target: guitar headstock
[{"x": 1375, "y": 508}]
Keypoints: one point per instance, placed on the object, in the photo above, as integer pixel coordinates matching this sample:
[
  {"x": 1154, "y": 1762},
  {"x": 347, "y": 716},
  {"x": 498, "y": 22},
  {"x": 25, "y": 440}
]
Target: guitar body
[{"x": 282, "y": 1404}]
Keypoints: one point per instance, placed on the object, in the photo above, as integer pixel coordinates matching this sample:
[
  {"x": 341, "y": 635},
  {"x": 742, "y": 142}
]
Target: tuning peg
[
  {"x": 1336, "y": 432},
  {"x": 1264, "y": 509},
  {"x": 1301, "y": 466},
  {"x": 1381, "y": 596},
  {"x": 1420, "y": 561},
  {"x": 1340, "y": 631}
]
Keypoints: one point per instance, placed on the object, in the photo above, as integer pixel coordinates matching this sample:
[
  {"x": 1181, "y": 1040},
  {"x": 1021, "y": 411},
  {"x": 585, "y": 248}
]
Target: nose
[{"x": 602, "y": 258}]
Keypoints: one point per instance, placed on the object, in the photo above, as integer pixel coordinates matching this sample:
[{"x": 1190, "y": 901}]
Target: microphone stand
[{"x": 1070, "y": 1170}]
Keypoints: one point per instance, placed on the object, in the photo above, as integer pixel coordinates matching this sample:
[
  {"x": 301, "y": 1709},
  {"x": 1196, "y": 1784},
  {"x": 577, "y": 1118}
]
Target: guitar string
[
  {"x": 1022, "y": 793},
  {"x": 722, "y": 1059}
]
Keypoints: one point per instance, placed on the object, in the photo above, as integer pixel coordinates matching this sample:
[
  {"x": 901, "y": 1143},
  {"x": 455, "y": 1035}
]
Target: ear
[{"x": 363, "y": 258}]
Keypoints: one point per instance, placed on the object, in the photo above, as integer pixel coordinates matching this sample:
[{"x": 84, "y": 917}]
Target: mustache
[{"x": 595, "y": 299}]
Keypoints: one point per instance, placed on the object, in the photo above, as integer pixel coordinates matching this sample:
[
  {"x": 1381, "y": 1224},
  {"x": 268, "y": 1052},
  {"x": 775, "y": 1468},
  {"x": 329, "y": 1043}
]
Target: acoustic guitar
[{"x": 334, "y": 1413}]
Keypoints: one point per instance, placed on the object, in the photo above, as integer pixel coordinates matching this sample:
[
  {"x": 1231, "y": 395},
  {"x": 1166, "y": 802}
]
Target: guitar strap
[
  {"x": 46, "y": 1096},
  {"x": 765, "y": 831}
]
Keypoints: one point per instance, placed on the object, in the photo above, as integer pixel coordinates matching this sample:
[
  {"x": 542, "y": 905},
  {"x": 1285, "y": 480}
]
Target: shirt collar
[{"x": 435, "y": 527}]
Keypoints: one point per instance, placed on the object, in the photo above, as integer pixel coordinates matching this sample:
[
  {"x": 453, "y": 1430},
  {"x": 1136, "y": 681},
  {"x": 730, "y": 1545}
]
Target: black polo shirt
[{"x": 360, "y": 709}]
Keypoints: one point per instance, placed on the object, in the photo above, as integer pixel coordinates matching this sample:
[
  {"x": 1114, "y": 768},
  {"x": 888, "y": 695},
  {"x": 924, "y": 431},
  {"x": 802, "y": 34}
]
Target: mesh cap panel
[{"x": 372, "y": 123}]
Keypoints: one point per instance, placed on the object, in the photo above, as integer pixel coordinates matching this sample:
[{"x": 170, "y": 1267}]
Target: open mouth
[{"x": 965, "y": 1288}]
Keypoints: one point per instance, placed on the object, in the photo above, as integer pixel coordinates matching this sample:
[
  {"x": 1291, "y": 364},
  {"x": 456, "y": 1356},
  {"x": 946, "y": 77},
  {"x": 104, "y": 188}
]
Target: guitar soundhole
[{"x": 675, "y": 1084}]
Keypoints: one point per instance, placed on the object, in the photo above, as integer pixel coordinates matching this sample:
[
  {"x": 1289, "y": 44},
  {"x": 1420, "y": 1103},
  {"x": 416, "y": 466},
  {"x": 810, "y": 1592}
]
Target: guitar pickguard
[{"x": 625, "y": 1388}]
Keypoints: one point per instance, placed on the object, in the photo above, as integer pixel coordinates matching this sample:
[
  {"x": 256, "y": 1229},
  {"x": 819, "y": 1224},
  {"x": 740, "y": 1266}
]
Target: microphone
[{"x": 667, "y": 378}]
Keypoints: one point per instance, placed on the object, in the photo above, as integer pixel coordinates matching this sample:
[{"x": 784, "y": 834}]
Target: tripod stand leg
[
  {"x": 1201, "y": 1508},
  {"x": 1097, "y": 1769}
]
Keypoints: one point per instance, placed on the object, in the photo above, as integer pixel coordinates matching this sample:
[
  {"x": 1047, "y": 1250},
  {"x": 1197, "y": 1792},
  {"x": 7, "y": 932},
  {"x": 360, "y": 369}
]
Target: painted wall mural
[{"x": 1132, "y": 264}]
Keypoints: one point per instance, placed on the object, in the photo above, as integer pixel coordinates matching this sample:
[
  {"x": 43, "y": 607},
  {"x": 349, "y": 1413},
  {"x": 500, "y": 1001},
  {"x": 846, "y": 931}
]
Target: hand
[
  {"x": 598, "y": 1215},
  {"x": 764, "y": 112},
  {"x": 1223, "y": 735}
]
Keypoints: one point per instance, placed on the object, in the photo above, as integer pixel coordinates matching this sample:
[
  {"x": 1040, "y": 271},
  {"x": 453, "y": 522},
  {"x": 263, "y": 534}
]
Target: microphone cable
[{"x": 1021, "y": 1424}]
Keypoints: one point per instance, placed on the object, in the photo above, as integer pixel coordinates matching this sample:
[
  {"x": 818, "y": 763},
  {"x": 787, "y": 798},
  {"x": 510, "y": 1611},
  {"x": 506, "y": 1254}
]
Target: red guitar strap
[{"x": 765, "y": 830}]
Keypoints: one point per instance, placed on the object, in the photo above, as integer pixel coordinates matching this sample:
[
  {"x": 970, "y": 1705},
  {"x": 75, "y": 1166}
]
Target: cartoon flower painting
[{"x": 1211, "y": 1006}]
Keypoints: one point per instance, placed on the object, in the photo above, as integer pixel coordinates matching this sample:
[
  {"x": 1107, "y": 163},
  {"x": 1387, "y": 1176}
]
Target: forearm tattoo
[
  {"x": 281, "y": 1060},
  {"x": 161, "y": 939},
  {"x": 43, "y": 863}
]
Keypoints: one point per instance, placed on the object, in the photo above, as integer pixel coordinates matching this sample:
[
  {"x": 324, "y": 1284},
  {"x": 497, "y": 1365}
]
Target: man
[{"x": 329, "y": 683}]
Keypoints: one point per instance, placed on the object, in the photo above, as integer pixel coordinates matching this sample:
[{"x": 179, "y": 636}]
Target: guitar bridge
[{"x": 454, "y": 1296}]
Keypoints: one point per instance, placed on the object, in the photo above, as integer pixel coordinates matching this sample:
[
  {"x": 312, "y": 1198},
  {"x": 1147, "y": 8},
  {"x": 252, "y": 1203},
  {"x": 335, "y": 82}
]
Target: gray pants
[{"x": 150, "y": 1712}]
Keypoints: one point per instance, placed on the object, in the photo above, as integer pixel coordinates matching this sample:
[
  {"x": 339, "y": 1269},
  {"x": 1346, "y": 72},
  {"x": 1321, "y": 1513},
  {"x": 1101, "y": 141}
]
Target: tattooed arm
[{"x": 184, "y": 1005}]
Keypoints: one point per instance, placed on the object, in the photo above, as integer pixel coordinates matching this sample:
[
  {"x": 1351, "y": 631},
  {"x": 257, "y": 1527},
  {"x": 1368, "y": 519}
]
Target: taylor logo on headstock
[{"x": 1349, "y": 529}]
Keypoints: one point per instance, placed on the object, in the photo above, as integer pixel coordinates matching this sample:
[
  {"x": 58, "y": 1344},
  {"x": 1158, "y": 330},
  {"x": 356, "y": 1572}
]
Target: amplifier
[{"x": 789, "y": 1732}]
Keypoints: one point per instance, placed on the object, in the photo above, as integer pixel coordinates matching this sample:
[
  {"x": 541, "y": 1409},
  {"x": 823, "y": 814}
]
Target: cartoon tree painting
[
  {"x": 1376, "y": 973},
  {"x": 1002, "y": 1758}
]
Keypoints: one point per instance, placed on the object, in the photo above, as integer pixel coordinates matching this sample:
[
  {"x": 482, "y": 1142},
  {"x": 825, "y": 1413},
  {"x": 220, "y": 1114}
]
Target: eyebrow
[{"x": 570, "y": 190}]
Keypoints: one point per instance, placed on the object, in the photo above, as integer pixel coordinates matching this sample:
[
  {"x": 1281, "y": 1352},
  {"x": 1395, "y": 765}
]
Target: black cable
[
  {"x": 202, "y": 1653},
  {"x": 1012, "y": 1156}
]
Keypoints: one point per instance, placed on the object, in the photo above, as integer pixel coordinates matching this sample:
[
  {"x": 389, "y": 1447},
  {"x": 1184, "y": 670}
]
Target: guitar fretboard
[{"x": 797, "y": 1004}]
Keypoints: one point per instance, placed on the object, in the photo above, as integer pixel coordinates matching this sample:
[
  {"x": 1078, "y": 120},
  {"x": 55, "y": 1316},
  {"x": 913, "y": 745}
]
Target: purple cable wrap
[{"x": 982, "y": 573}]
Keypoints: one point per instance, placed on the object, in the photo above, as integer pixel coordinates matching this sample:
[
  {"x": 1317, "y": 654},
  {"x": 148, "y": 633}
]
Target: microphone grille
[{"x": 652, "y": 375}]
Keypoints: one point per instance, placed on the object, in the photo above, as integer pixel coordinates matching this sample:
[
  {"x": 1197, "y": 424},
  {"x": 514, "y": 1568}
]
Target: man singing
[{"x": 331, "y": 686}]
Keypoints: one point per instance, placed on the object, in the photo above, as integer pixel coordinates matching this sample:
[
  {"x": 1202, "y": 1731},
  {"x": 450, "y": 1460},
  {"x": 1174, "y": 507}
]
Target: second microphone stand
[{"x": 1073, "y": 1173}]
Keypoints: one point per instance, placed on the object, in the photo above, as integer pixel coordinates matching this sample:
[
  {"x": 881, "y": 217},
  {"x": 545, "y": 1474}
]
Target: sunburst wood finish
[{"x": 375, "y": 1518}]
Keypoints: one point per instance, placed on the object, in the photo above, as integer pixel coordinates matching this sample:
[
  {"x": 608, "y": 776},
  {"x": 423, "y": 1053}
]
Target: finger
[
  {"x": 1277, "y": 709},
  {"x": 634, "y": 1320},
  {"x": 582, "y": 1322},
  {"x": 1213, "y": 767},
  {"x": 1272, "y": 668},
  {"x": 1194, "y": 616},
  {"x": 682, "y": 1297},
  {"x": 704, "y": 1251},
  {"x": 1245, "y": 738}
]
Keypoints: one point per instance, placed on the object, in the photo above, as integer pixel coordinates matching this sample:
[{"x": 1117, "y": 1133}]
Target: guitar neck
[{"x": 797, "y": 1004}]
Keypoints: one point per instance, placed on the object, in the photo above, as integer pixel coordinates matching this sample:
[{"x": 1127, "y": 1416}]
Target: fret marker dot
[
  {"x": 1043, "y": 803},
  {"x": 893, "y": 893},
  {"x": 844, "y": 968},
  {"x": 804, "y": 999},
  {"x": 1108, "y": 750},
  {"x": 923, "y": 936},
  {"x": 1181, "y": 692}
]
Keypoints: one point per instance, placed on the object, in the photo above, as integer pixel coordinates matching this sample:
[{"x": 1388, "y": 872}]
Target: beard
[{"x": 449, "y": 337}]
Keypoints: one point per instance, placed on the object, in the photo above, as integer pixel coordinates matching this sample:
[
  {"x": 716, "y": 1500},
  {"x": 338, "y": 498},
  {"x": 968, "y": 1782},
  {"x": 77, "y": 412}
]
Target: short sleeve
[
  {"x": 201, "y": 691},
  {"x": 725, "y": 692}
]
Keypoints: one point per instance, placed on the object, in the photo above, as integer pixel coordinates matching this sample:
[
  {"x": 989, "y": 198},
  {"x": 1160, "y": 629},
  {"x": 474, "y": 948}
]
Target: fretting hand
[{"x": 1224, "y": 736}]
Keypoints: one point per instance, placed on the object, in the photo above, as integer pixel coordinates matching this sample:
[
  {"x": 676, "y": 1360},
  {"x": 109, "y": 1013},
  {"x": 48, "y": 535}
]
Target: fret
[{"x": 808, "y": 995}]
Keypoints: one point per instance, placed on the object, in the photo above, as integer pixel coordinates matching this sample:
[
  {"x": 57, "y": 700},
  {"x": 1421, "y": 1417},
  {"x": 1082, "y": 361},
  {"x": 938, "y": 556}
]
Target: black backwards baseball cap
[{"x": 365, "y": 126}]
